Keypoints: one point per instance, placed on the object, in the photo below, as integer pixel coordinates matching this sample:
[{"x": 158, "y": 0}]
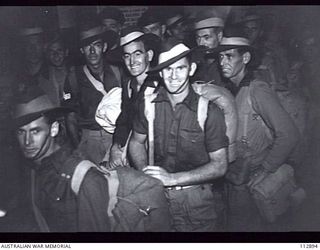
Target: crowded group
[{"x": 177, "y": 123}]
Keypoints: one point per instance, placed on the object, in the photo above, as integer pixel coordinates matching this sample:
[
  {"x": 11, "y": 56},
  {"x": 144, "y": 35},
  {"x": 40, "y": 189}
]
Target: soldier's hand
[
  {"x": 116, "y": 159},
  {"x": 160, "y": 174}
]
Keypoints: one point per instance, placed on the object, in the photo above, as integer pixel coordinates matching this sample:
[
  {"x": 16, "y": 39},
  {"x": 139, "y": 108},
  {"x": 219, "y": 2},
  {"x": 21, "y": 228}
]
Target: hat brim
[
  {"x": 221, "y": 48},
  {"x": 55, "y": 112},
  {"x": 147, "y": 37},
  {"x": 108, "y": 36},
  {"x": 169, "y": 62}
]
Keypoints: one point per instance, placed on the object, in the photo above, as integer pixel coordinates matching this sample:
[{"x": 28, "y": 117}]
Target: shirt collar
[
  {"x": 57, "y": 159},
  {"x": 190, "y": 101}
]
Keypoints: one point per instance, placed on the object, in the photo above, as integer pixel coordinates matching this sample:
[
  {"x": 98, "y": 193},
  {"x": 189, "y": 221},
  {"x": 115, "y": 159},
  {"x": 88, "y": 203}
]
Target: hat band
[
  {"x": 130, "y": 37},
  {"x": 38, "y": 104},
  {"x": 31, "y": 31},
  {"x": 209, "y": 22},
  {"x": 91, "y": 32},
  {"x": 175, "y": 51},
  {"x": 239, "y": 41}
]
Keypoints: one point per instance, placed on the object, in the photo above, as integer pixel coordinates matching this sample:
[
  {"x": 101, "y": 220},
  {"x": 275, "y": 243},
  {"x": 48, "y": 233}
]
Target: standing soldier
[
  {"x": 138, "y": 52},
  {"x": 95, "y": 80},
  {"x": 266, "y": 134},
  {"x": 187, "y": 158}
]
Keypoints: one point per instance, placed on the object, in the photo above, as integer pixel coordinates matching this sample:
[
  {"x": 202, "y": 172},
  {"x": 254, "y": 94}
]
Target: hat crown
[
  {"x": 130, "y": 34},
  {"x": 33, "y": 100}
]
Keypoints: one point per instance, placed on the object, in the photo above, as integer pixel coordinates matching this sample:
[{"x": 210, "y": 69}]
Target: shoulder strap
[
  {"x": 202, "y": 111},
  {"x": 267, "y": 130},
  {"x": 80, "y": 171},
  {"x": 149, "y": 113}
]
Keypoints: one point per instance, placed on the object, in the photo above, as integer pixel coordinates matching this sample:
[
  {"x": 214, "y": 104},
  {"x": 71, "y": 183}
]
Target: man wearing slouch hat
[
  {"x": 187, "y": 158},
  {"x": 96, "y": 78},
  {"x": 38, "y": 125}
]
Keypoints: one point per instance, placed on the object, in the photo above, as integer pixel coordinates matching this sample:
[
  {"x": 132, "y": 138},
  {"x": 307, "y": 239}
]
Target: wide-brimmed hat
[
  {"x": 171, "y": 51},
  {"x": 250, "y": 17},
  {"x": 28, "y": 31},
  {"x": 92, "y": 34},
  {"x": 131, "y": 33},
  {"x": 32, "y": 104},
  {"x": 210, "y": 22},
  {"x": 151, "y": 16},
  {"x": 233, "y": 43},
  {"x": 112, "y": 13}
]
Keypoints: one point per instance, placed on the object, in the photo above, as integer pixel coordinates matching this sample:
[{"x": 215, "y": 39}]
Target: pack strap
[
  {"x": 80, "y": 171},
  {"x": 112, "y": 176},
  {"x": 97, "y": 84},
  {"x": 202, "y": 111}
]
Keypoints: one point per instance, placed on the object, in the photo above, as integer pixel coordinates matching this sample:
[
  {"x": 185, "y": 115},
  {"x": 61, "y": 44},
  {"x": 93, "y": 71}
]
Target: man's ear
[
  {"x": 220, "y": 35},
  {"x": 193, "y": 68},
  {"x": 81, "y": 50},
  {"x": 150, "y": 54},
  {"x": 105, "y": 47},
  {"x": 246, "y": 57},
  {"x": 160, "y": 73},
  {"x": 54, "y": 129}
]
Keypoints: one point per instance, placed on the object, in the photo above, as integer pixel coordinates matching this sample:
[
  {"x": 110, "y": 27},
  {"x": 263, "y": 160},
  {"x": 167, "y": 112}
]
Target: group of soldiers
[{"x": 196, "y": 107}]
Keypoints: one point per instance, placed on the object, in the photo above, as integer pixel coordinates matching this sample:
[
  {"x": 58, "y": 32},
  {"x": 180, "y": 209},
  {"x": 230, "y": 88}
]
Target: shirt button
[
  {"x": 63, "y": 175},
  {"x": 68, "y": 176},
  {"x": 58, "y": 198}
]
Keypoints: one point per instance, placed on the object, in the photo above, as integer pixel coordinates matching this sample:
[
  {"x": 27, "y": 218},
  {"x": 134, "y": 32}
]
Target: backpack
[{"x": 137, "y": 202}]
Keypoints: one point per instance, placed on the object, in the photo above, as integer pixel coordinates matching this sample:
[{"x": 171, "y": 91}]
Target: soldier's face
[
  {"x": 56, "y": 54},
  {"x": 177, "y": 74},
  {"x": 207, "y": 37},
  {"x": 35, "y": 139},
  {"x": 93, "y": 52},
  {"x": 231, "y": 62},
  {"x": 252, "y": 29},
  {"x": 34, "y": 48},
  {"x": 136, "y": 58},
  {"x": 111, "y": 24}
]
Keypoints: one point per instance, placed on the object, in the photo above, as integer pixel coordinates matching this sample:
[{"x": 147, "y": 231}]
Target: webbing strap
[
  {"x": 202, "y": 111},
  {"x": 80, "y": 171},
  {"x": 97, "y": 84}
]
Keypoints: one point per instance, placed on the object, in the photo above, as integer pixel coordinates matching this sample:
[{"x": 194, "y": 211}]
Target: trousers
[
  {"x": 194, "y": 209},
  {"x": 95, "y": 145}
]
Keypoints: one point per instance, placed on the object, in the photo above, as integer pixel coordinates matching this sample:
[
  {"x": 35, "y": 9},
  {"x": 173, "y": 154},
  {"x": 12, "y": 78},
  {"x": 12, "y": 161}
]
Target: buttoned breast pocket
[{"x": 191, "y": 140}]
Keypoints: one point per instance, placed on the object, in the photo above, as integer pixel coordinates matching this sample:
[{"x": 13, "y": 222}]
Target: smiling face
[
  {"x": 93, "y": 52},
  {"x": 176, "y": 75},
  {"x": 57, "y": 54},
  {"x": 36, "y": 139},
  {"x": 136, "y": 58}
]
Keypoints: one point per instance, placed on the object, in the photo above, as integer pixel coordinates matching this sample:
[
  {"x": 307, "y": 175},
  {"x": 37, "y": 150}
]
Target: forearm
[
  {"x": 212, "y": 170},
  {"x": 138, "y": 154}
]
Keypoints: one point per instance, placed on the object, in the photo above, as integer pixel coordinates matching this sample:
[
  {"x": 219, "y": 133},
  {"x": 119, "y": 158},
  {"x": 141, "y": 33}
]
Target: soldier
[
  {"x": 209, "y": 31},
  {"x": 187, "y": 157}
]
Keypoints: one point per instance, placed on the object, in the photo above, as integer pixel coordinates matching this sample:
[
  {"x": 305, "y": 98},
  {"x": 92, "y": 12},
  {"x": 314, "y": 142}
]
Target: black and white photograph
[{"x": 149, "y": 118}]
